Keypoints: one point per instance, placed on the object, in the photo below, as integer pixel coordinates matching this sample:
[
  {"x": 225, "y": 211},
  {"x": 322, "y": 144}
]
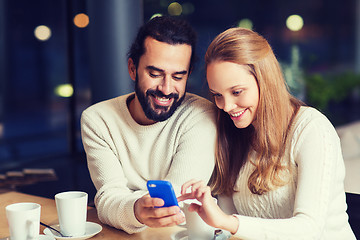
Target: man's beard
[{"x": 154, "y": 114}]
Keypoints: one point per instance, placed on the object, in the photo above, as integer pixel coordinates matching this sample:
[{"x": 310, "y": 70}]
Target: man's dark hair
[{"x": 166, "y": 29}]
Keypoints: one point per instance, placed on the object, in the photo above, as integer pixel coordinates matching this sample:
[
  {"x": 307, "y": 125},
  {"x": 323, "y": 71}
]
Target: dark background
[{"x": 39, "y": 129}]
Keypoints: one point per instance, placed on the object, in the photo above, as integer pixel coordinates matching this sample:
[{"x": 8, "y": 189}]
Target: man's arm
[{"x": 114, "y": 200}]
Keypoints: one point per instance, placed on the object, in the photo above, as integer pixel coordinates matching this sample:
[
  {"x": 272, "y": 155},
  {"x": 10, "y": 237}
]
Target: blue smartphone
[{"x": 164, "y": 190}]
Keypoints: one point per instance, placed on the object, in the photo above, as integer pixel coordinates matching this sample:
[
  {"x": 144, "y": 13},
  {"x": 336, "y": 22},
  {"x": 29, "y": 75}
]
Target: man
[{"x": 158, "y": 132}]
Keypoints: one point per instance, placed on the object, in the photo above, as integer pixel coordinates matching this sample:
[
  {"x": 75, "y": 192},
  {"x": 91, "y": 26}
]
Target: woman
[{"x": 279, "y": 171}]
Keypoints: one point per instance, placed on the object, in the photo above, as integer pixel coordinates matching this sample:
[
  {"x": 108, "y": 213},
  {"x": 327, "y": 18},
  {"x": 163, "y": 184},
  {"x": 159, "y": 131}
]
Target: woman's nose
[{"x": 228, "y": 105}]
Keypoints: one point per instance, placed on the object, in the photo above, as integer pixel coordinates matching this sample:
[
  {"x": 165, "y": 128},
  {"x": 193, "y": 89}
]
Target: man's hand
[{"x": 147, "y": 214}]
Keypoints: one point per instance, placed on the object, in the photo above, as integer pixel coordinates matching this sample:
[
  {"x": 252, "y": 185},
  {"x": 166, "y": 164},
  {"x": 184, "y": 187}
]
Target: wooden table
[{"x": 49, "y": 216}]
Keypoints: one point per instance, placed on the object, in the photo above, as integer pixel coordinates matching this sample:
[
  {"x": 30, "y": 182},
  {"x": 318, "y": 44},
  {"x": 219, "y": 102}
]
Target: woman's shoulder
[
  {"x": 310, "y": 115},
  {"x": 309, "y": 119}
]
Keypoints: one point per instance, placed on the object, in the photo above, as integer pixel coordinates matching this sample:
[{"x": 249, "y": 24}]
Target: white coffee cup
[
  {"x": 197, "y": 229},
  {"x": 23, "y": 220},
  {"x": 72, "y": 210}
]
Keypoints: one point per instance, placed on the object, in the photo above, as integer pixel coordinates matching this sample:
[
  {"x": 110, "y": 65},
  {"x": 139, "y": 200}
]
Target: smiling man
[{"x": 157, "y": 132}]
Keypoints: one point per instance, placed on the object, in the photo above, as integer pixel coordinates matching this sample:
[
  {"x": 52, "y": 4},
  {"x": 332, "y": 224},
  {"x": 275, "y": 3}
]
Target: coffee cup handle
[
  {"x": 32, "y": 230},
  {"x": 184, "y": 223}
]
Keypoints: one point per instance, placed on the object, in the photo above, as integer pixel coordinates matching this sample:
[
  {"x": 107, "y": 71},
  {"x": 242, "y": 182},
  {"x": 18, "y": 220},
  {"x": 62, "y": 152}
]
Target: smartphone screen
[{"x": 164, "y": 190}]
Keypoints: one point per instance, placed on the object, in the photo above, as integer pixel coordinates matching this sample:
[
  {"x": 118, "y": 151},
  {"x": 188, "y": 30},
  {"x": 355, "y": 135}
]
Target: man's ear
[{"x": 132, "y": 69}]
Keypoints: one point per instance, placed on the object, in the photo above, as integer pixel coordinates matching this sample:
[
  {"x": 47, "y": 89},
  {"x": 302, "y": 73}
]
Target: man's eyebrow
[
  {"x": 181, "y": 72},
  {"x": 150, "y": 67},
  {"x": 154, "y": 68}
]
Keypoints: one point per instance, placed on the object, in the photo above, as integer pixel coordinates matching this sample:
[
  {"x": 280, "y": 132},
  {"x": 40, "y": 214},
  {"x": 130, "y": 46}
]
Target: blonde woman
[{"x": 279, "y": 172}]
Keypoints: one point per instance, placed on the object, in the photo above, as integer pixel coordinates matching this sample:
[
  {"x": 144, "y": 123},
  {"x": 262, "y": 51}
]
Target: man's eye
[
  {"x": 154, "y": 75},
  {"x": 178, "y": 78}
]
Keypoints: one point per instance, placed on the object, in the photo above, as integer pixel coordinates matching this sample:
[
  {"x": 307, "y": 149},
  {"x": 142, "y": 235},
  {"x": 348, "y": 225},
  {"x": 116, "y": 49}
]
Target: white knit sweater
[
  {"x": 312, "y": 205},
  {"x": 122, "y": 155}
]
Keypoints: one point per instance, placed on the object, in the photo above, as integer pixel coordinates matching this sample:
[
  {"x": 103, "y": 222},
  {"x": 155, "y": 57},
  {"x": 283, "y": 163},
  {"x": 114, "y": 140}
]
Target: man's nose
[{"x": 166, "y": 86}]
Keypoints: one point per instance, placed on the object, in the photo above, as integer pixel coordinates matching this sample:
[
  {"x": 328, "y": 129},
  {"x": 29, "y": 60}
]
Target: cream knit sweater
[
  {"x": 312, "y": 205},
  {"x": 122, "y": 155}
]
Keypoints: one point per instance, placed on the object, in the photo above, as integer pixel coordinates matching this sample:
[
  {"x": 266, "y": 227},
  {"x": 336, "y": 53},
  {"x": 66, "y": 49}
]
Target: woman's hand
[{"x": 209, "y": 211}]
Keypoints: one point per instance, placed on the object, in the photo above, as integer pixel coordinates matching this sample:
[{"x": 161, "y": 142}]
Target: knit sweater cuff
[
  {"x": 246, "y": 228},
  {"x": 131, "y": 219}
]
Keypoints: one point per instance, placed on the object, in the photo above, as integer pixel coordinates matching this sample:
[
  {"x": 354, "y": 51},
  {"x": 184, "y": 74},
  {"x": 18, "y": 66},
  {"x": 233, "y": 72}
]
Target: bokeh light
[
  {"x": 188, "y": 8},
  {"x": 81, "y": 20},
  {"x": 294, "y": 22},
  {"x": 175, "y": 9},
  {"x": 156, "y": 15},
  {"x": 245, "y": 23},
  {"x": 42, "y": 33},
  {"x": 64, "y": 90}
]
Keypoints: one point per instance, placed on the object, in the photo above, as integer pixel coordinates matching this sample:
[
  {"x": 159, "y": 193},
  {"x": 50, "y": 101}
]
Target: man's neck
[{"x": 137, "y": 112}]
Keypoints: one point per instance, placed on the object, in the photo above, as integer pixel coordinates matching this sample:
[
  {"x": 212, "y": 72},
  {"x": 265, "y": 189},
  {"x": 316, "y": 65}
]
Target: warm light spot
[
  {"x": 246, "y": 23},
  {"x": 64, "y": 90},
  {"x": 42, "y": 32},
  {"x": 294, "y": 22},
  {"x": 175, "y": 9},
  {"x": 156, "y": 15},
  {"x": 81, "y": 20}
]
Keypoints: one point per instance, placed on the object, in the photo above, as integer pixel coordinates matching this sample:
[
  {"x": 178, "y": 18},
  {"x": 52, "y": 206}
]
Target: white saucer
[
  {"x": 182, "y": 235},
  {"x": 41, "y": 237},
  {"x": 46, "y": 237},
  {"x": 91, "y": 230}
]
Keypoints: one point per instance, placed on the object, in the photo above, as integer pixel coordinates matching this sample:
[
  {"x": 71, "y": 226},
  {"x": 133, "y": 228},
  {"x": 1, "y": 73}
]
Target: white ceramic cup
[
  {"x": 23, "y": 220},
  {"x": 72, "y": 210},
  {"x": 197, "y": 229}
]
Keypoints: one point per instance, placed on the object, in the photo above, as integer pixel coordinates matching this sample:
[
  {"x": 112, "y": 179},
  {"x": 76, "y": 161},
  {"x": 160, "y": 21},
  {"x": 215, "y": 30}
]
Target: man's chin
[{"x": 159, "y": 115}]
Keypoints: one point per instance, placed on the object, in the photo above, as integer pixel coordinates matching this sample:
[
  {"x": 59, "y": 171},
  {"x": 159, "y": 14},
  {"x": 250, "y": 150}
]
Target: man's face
[{"x": 160, "y": 78}]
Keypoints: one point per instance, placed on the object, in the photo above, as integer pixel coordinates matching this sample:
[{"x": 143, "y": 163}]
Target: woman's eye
[
  {"x": 236, "y": 93},
  {"x": 216, "y": 95}
]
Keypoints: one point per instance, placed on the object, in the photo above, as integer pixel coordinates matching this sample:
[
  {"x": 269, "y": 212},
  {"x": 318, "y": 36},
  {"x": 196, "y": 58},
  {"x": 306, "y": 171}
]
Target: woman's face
[{"x": 235, "y": 91}]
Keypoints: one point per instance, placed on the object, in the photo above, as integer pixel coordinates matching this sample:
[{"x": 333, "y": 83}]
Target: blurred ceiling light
[
  {"x": 188, "y": 8},
  {"x": 245, "y": 23},
  {"x": 175, "y": 9},
  {"x": 156, "y": 15},
  {"x": 64, "y": 90},
  {"x": 42, "y": 33},
  {"x": 164, "y": 3},
  {"x": 81, "y": 20},
  {"x": 294, "y": 23}
]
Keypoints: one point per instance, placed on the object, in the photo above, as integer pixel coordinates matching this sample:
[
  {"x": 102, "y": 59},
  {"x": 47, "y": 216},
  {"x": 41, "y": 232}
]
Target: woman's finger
[{"x": 186, "y": 185}]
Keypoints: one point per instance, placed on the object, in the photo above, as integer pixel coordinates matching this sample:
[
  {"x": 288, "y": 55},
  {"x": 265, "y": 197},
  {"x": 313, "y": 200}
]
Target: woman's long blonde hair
[{"x": 275, "y": 113}]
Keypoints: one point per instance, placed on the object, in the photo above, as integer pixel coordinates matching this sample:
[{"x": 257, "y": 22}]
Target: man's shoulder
[
  {"x": 195, "y": 107},
  {"x": 107, "y": 105},
  {"x": 194, "y": 113},
  {"x": 197, "y": 102},
  {"x": 107, "y": 109}
]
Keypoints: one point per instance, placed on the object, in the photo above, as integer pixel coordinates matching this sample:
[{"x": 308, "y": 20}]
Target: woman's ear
[{"x": 132, "y": 69}]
